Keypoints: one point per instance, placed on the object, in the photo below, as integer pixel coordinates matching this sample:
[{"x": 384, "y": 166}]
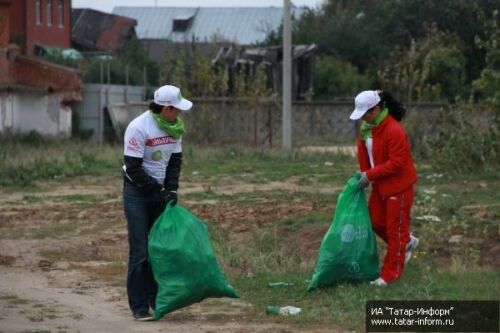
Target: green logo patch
[{"x": 156, "y": 155}]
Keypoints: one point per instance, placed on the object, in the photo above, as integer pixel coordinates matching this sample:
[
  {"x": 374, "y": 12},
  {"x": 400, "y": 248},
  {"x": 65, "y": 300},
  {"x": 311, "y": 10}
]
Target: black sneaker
[{"x": 143, "y": 316}]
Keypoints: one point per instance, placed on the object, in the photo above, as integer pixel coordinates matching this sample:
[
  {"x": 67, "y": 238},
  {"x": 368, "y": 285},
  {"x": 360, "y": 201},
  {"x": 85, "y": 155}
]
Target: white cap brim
[
  {"x": 183, "y": 105},
  {"x": 357, "y": 114},
  {"x": 363, "y": 102}
]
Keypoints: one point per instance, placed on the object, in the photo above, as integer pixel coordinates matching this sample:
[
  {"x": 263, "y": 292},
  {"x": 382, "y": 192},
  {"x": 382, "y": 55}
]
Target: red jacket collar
[{"x": 383, "y": 124}]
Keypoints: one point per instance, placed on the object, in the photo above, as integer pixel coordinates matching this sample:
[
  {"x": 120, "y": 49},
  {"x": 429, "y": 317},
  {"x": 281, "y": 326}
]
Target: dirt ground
[
  {"x": 58, "y": 259},
  {"x": 63, "y": 252}
]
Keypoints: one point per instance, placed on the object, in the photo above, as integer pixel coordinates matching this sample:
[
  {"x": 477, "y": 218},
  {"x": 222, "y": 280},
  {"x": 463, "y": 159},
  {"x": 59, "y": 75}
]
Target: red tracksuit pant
[{"x": 391, "y": 221}]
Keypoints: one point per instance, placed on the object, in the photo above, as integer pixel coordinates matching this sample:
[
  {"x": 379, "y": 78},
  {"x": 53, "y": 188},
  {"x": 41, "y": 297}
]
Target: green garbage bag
[
  {"x": 183, "y": 262},
  {"x": 348, "y": 252}
]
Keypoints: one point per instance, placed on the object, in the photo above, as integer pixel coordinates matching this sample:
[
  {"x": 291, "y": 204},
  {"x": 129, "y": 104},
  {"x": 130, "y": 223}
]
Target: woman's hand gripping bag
[
  {"x": 183, "y": 262},
  {"x": 348, "y": 252}
]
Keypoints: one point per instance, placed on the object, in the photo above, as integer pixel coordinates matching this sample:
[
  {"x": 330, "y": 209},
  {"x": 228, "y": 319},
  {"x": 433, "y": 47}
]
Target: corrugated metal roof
[{"x": 244, "y": 25}]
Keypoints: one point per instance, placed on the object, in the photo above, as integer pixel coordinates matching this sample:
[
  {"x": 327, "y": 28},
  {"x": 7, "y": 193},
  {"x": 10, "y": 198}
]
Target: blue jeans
[{"x": 141, "y": 212}]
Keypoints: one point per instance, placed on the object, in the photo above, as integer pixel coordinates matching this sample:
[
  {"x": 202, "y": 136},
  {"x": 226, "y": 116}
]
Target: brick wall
[
  {"x": 4, "y": 23},
  {"x": 38, "y": 73},
  {"x": 8, "y": 55},
  {"x": 17, "y": 15},
  {"x": 54, "y": 34}
]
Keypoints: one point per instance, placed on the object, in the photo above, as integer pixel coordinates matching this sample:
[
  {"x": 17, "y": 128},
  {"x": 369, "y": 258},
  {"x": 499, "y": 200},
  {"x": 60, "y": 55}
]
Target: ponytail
[
  {"x": 396, "y": 109},
  {"x": 155, "y": 108}
]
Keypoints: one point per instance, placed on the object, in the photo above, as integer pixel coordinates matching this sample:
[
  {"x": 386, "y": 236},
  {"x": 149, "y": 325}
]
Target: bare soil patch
[
  {"x": 63, "y": 256},
  {"x": 63, "y": 252}
]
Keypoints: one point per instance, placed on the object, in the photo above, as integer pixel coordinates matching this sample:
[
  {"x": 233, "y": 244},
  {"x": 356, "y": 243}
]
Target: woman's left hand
[{"x": 363, "y": 181}]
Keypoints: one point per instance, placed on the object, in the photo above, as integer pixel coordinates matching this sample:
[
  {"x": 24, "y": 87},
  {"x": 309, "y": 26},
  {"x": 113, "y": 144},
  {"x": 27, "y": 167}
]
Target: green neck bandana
[
  {"x": 175, "y": 129},
  {"x": 366, "y": 129}
]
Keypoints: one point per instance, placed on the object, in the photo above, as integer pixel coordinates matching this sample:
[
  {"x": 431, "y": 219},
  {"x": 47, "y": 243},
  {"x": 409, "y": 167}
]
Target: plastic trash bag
[
  {"x": 348, "y": 252},
  {"x": 183, "y": 262}
]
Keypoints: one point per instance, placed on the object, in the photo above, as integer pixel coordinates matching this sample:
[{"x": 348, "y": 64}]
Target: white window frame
[
  {"x": 49, "y": 13},
  {"x": 38, "y": 12},
  {"x": 60, "y": 12}
]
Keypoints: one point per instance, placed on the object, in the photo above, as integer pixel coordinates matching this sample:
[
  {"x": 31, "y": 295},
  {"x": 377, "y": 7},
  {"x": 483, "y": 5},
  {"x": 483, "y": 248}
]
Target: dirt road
[
  {"x": 53, "y": 242},
  {"x": 29, "y": 302}
]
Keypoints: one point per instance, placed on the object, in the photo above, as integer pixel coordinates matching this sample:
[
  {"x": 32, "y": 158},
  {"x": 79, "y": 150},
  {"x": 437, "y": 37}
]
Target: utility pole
[{"x": 287, "y": 77}]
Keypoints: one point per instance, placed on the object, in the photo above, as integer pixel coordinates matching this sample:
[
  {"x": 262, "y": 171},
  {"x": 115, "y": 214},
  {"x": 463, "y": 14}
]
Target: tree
[
  {"x": 198, "y": 76},
  {"x": 488, "y": 83},
  {"x": 335, "y": 77},
  {"x": 132, "y": 61},
  {"x": 432, "y": 68},
  {"x": 365, "y": 33}
]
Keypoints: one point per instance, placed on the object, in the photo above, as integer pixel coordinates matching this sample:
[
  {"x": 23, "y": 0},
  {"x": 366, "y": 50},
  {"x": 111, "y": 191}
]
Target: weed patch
[
  {"x": 261, "y": 166},
  {"x": 25, "y": 163},
  {"x": 343, "y": 306},
  {"x": 266, "y": 213},
  {"x": 460, "y": 145}
]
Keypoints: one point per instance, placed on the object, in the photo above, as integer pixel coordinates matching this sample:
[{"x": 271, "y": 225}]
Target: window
[
  {"x": 49, "y": 12},
  {"x": 38, "y": 12},
  {"x": 60, "y": 12},
  {"x": 181, "y": 24}
]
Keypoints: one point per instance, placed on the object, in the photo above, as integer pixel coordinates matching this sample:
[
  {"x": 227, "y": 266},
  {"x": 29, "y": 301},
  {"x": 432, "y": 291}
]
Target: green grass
[
  {"x": 267, "y": 252},
  {"x": 59, "y": 229},
  {"x": 266, "y": 197},
  {"x": 90, "y": 199},
  {"x": 343, "y": 306},
  {"x": 64, "y": 255},
  {"x": 22, "y": 163},
  {"x": 210, "y": 195},
  {"x": 14, "y": 300},
  {"x": 56, "y": 229},
  {"x": 297, "y": 222},
  {"x": 261, "y": 166}
]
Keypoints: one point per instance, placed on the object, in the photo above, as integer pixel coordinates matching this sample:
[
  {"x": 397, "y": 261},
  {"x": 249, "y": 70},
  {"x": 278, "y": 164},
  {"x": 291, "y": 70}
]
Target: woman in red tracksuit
[{"x": 386, "y": 162}]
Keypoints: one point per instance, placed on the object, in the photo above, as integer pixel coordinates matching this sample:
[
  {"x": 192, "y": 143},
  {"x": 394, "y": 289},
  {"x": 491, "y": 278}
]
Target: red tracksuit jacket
[{"x": 394, "y": 170}]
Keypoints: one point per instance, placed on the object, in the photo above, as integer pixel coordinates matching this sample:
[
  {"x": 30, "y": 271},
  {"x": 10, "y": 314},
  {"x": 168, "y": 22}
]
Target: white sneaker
[
  {"x": 379, "y": 282},
  {"x": 410, "y": 247},
  {"x": 143, "y": 316}
]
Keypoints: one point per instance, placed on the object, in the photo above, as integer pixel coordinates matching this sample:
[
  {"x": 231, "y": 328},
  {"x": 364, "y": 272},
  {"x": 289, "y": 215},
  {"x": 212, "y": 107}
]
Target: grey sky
[{"x": 108, "y": 5}]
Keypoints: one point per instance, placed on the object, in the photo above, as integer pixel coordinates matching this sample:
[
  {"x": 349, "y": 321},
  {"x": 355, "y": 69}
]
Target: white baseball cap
[
  {"x": 363, "y": 102},
  {"x": 171, "y": 96}
]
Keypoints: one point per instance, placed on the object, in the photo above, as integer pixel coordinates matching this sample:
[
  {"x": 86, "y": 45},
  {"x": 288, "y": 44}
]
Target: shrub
[
  {"x": 461, "y": 144},
  {"x": 337, "y": 78}
]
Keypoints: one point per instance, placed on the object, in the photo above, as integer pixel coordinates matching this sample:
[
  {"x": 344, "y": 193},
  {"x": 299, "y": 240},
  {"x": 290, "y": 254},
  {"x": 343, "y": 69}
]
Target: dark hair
[
  {"x": 156, "y": 108},
  {"x": 396, "y": 108}
]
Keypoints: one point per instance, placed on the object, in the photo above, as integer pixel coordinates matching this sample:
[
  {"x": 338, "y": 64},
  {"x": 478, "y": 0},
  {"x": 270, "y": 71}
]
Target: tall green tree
[
  {"x": 335, "y": 77},
  {"x": 365, "y": 33},
  {"x": 488, "y": 83},
  {"x": 193, "y": 69},
  {"x": 132, "y": 59},
  {"x": 431, "y": 68}
]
